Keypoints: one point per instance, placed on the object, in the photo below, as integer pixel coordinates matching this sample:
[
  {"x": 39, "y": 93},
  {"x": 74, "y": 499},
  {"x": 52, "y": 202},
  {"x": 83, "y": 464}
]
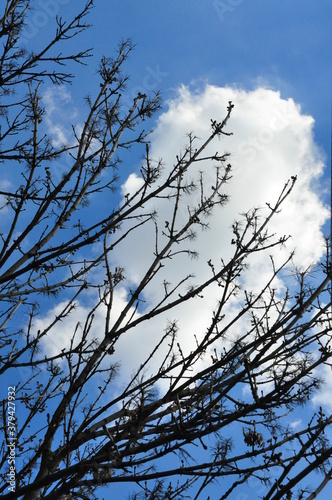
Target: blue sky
[
  {"x": 285, "y": 44},
  {"x": 213, "y": 51}
]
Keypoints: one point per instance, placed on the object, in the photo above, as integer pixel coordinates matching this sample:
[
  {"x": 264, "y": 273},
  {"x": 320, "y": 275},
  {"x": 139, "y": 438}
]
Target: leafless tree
[{"x": 182, "y": 420}]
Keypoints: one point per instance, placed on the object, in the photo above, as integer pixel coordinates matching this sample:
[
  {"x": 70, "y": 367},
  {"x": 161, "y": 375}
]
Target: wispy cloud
[{"x": 58, "y": 104}]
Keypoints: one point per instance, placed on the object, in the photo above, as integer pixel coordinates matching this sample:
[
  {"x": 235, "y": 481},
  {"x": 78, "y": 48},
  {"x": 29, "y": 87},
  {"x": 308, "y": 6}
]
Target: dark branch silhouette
[{"x": 183, "y": 419}]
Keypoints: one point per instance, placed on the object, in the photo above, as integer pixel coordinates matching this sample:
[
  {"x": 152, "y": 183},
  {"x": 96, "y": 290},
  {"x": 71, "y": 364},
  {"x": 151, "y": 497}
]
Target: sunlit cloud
[
  {"x": 272, "y": 140},
  {"x": 289, "y": 151}
]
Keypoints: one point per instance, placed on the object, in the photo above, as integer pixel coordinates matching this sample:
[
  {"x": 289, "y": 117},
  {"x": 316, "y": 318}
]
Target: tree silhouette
[{"x": 185, "y": 417}]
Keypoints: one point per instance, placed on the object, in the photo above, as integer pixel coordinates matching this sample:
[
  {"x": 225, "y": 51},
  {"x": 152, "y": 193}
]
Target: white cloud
[
  {"x": 323, "y": 397},
  {"x": 295, "y": 424},
  {"x": 55, "y": 97},
  {"x": 272, "y": 141},
  {"x": 5, "y": 186},
  {"x": 57, "y": 101},
  {"x": 59, "y": 337},
  {"x": 132, "y": 184}
]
